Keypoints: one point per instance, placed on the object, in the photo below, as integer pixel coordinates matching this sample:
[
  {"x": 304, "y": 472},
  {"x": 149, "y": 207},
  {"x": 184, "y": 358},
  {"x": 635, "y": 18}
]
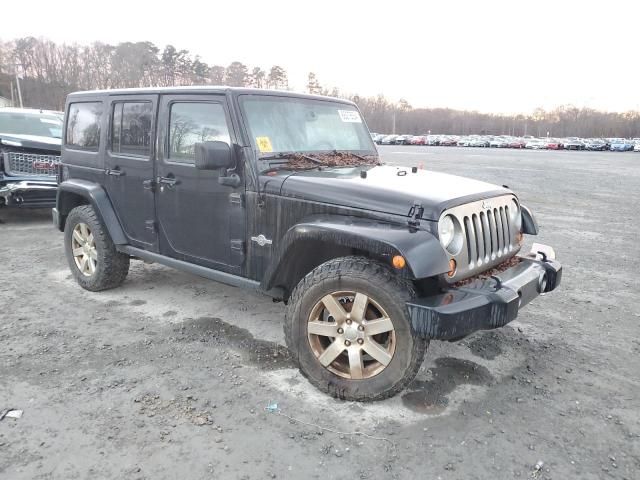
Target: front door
[
  {"x": 196, "y": 214},
  {"x": 130, "y": 167}
]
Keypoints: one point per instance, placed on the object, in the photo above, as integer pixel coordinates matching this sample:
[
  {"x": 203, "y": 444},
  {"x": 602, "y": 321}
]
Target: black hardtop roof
[{"x": 202, "y": 89}]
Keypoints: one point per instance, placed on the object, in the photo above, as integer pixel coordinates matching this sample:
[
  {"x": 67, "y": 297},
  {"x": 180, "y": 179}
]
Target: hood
[
  {"x": 388, "y": 189},
  {"x": 31, "y": 141}
]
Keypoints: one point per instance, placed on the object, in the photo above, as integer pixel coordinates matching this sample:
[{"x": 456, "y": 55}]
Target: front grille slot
[{"x": 19, "y": 163}]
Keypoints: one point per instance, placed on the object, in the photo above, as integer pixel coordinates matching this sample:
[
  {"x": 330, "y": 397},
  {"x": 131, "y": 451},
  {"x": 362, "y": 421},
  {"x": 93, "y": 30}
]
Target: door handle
[
  {"x": 115, "y": 172},
  {"x": 170, "y": 182},
  {"x": 148, "y": 184}
]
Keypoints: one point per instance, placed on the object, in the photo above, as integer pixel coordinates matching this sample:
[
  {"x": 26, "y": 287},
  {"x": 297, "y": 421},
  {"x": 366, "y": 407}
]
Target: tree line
[{"x": 49, "y": 71}]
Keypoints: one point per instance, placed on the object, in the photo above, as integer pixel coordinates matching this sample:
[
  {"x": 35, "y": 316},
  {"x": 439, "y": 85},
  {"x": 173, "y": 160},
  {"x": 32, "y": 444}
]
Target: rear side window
[
  {"x": 195, "y": 122},
  {"x": 131, "y": 128},
  {"x": 83, "y": 125}
]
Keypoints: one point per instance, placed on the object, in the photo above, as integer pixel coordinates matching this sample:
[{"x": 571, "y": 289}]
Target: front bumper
[
  {"x": 486, "y": 304},
  {"x": 28, "y": 193}
]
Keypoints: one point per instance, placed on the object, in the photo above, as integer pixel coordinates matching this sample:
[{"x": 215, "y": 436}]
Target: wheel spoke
[
  {"x": 92, "y": 266},
  {"x": 355, "y": 363},
  {"x": 359, "y": 307},
  {"x": 78, "y": 251},
  {"x": 83, "y": 263},
  {"x": 331, "y": 353},
  {"x": 335, "y": 309},
  {"x": 324, "y": 329},
  {"x": 93, "y": 254},
  {"x": 84, "y": 231},
  {"x": 373, "y": 349},
  {"x": 90, "y": 238},
  {"x": 380, "y": 325},
  {"x": 77, "y": 236}
]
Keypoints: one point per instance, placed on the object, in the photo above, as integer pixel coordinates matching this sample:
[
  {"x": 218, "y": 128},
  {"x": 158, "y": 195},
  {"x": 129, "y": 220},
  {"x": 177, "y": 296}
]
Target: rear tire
[
  {"x": 91, "y": 254},
  {"x": 348, "y": 329}
]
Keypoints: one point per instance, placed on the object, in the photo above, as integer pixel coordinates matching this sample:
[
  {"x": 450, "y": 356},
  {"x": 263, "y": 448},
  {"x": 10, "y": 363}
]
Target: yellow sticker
[{"x": 264, "y": 144}]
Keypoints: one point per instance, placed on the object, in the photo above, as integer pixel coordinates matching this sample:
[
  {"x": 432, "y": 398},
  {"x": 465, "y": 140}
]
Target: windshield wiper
[
  {"x": 359, "y": 157},
  {"x": 286, "y": 156}
]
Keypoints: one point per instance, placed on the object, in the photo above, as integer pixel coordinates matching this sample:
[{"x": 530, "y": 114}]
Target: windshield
[
  {"x": 290, "y": 124},
  {"x": 15, "y": 123}
]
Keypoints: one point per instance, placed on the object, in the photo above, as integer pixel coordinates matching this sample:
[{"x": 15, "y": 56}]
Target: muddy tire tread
[{"x": 373, "y": 272}]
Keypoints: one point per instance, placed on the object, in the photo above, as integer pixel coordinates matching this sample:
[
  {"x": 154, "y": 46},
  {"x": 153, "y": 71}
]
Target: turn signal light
[
  {"x": 452, "y": 267},
  {"x": 398, "y": 261}
]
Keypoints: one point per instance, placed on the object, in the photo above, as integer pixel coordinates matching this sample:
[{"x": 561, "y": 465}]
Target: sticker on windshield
[
  {"x": 264, "y": 144},
  {"x": 350, "y": 116}
]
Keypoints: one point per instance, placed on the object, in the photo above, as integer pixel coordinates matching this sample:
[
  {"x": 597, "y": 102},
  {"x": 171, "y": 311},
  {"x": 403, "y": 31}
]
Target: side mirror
[{"x": 213, "y": 155}]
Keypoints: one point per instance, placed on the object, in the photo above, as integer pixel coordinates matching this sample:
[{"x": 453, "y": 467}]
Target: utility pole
[
  {"x": 18, "y": 88},
  {"x": 393, "y": 118}
]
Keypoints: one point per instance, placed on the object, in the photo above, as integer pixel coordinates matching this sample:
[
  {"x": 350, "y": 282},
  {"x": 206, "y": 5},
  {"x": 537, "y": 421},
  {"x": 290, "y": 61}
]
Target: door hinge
[
  {"x": 150, "y": 225},
  {"x": 237, "y": 245},
  {"x": 236, "y": 199}
]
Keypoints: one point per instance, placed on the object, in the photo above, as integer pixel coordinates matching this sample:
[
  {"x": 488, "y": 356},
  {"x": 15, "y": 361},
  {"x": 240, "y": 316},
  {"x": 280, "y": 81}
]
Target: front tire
[
  {"x": 347, "y": 327},
  {"x": 91, "y": 254}
]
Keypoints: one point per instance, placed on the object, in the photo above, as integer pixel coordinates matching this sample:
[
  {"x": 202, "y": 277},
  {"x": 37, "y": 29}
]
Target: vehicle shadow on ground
[
  {"x": 432, "y": 396},
  {"x": 24, "y": 216}
]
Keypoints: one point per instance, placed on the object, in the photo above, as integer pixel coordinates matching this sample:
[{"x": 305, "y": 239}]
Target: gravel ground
[{"x": 169, "y": 375}]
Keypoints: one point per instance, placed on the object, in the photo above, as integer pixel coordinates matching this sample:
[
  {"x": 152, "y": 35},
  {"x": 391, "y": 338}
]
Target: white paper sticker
[
  {"x": 350, "y": 116},
  {"x": 52, "y": 122}
]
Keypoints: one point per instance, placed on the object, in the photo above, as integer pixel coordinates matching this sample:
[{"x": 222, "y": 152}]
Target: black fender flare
[
  {"x": 97, "y": 197},
  {"x": 422, "y": 251}
]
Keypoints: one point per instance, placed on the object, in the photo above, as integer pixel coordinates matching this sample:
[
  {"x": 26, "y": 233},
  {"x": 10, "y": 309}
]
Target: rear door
[
  {"x": 198, "y": 218},
  {"x": 130, "y": 169}
]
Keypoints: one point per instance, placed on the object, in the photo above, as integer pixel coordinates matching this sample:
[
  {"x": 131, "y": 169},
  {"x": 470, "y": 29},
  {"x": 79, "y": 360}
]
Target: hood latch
[{"x": 415, "y": 214}]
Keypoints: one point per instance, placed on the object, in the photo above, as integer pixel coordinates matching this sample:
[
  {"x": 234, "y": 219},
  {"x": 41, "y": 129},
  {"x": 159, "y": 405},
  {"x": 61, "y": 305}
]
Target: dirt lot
[{"x": 169, "y": 376}]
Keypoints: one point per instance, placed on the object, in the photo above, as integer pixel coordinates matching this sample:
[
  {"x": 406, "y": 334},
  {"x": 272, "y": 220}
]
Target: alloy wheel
[
  {"x": 351, "y": 335},
  {"x": 83, "y": 248}
]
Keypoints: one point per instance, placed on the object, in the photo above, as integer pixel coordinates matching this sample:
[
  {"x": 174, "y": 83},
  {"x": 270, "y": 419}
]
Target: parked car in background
[
  {"x": 478, "y": 142},
  {"x": 499, "y": 143},
  {"x": 388, "y": 140},
  {"x": 553, "y": 144},
  {"x": 536, "y": 145},
  {"x": 403, "y": 139},
  {"x": 517, "y": 143},
  {"x": 449, "y": 141},
  {"x": 418, "y": 140},
  {"x": 596, "y": 145},
  {"x": 378, "y": 138},
  {"x": 621, "y": 145},
  {"x": 636, "y": 147},
  {"x": 29, "y": 157},
  {"x": 574, "y": 145}
]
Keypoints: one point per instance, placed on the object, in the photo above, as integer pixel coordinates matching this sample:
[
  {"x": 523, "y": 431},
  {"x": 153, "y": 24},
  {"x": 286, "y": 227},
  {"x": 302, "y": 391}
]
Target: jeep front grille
[
  {"x": 18, "y": 163},
  {"x": 488, "y": 235}
]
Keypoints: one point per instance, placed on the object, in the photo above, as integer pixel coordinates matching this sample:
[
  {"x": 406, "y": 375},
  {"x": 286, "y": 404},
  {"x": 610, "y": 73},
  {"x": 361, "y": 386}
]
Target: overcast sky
[{"x": 493, "y": 55}]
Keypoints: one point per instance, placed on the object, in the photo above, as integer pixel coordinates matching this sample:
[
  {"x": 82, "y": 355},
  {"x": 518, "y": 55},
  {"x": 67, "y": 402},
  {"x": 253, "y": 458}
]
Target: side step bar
[{"x": 199, "y": 270}]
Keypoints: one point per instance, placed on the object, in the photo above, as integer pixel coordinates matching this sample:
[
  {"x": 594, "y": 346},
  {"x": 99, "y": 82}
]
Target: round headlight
[
  {"x": 450, "y": 233},
  {"x": 446, "y": 231},
  {"x": 516, "y": 215}
]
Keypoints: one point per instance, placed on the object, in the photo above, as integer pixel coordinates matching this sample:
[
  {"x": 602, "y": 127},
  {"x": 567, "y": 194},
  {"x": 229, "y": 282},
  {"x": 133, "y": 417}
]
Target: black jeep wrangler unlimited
[{"x": 285, "y": 193}]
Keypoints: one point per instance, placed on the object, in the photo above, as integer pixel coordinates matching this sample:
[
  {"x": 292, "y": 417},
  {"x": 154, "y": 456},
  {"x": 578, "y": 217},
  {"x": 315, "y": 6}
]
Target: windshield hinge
[{"x": 415, "y": 214}]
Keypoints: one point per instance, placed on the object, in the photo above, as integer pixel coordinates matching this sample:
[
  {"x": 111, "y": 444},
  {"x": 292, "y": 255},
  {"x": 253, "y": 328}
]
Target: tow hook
[{"x": 415, "y": 214}]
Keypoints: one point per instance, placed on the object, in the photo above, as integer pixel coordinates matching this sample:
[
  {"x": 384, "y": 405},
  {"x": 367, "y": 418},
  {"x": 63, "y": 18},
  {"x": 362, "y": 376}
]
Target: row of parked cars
[{"x": 504, "y": 141}]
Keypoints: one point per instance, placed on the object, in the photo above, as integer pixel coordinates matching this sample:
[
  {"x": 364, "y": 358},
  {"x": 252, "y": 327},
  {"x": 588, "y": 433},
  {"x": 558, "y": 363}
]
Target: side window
[
  {"x": 131, "y": 128},
  {"x": 83, "y": 125},
  {"x": 192, "y": 122}
]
